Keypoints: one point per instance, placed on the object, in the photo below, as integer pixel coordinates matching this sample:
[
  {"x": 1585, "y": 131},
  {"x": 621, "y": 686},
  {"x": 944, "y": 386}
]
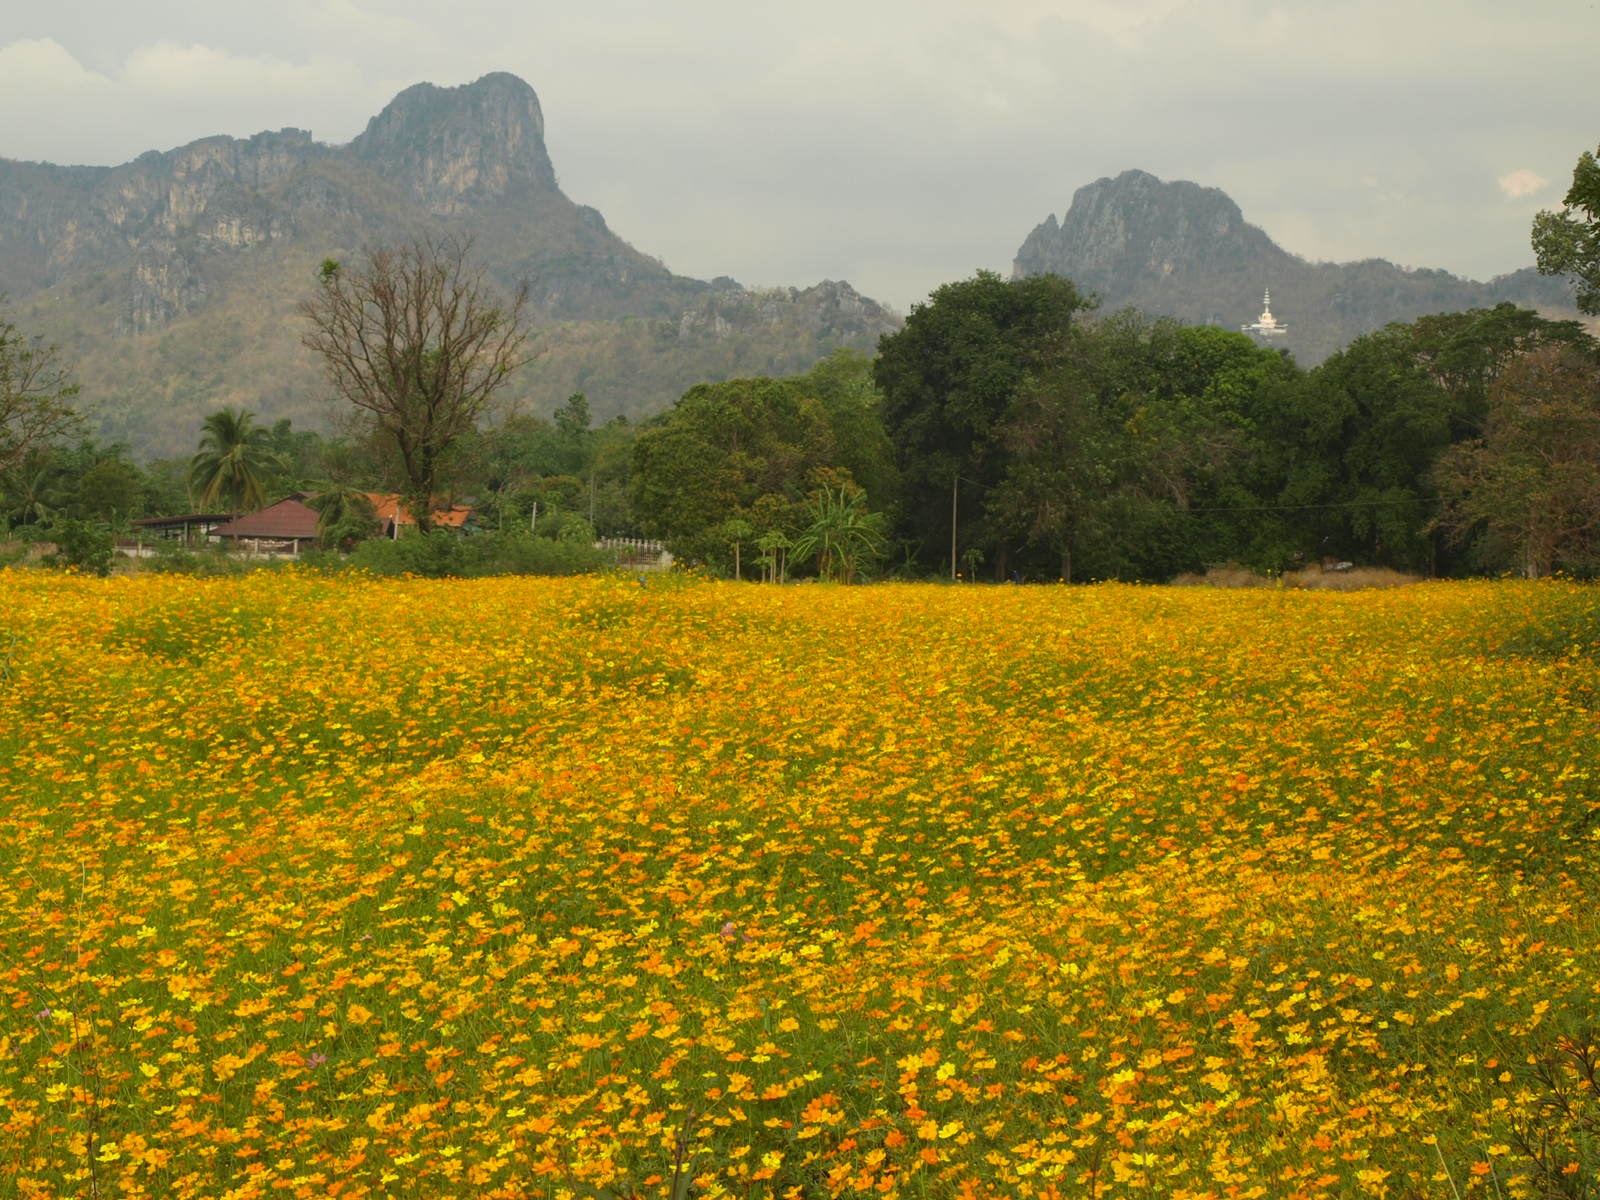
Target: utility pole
[{"x": 955, "y": 483}]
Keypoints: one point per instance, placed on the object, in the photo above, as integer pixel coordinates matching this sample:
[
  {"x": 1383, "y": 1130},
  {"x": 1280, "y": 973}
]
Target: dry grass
[
  {"x": 29, "y": 552},
  {"x": 1308, "y": 578},
  {"x": 1230, "y": 576},
  {"x": 1348, "y": 581}
]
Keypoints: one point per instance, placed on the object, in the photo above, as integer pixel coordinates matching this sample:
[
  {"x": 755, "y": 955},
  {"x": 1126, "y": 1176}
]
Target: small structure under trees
[
  {"x": 188, "y": 529},
  {"x": 415, "y": 340},
  {"x": 287, "y": 527}
]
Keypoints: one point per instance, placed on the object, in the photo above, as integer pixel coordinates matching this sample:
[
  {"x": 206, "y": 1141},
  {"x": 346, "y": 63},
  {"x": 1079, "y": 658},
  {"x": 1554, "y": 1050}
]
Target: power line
[{"x": 1309, "y": 507}]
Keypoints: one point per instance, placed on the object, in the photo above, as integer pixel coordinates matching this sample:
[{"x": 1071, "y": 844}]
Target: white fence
[{"x": 638, "y": 554}]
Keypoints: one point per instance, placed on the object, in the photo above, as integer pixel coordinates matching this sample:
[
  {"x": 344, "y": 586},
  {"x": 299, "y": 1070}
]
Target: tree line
[{"x": 1008, "y": 431}]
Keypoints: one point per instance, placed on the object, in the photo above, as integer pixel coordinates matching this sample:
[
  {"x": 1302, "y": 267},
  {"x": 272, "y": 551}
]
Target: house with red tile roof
[
  {"x": 287, "y": 527},
  {"x": 290, "y": 525},
  {"x": 392, "y": 514}
]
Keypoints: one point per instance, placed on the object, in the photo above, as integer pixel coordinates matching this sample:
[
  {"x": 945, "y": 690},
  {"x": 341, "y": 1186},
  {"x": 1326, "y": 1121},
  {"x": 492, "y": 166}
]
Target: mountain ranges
[
  {"x": 1181, "y": 250},
  {"x": 172, "y": 281}
]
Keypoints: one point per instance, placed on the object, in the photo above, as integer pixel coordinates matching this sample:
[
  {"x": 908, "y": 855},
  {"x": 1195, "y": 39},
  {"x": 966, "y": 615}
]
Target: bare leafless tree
[
  {"x": 416, "y": 340},
  {"x": 35, "y": 396}
]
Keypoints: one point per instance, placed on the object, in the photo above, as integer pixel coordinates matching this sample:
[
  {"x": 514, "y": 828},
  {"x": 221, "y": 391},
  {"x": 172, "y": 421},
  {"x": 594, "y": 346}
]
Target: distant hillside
[
  {"x": 172, "y": 280},
  {"x": 1186, "y": 251}
]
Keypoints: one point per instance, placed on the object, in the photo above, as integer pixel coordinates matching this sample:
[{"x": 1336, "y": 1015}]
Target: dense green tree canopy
[
  {"x": 735, "y": 462},
  {"x": 1357, "y": 442},
  {"x": 1127, "y": 454},
  {"x": 948, "y": 379},
  {"x": 1568, "y": 242},
  {"x": 1531, "y": 483},
  {"x": 1053, "y": 442},
  {"x": 739, "y": 449},
  {"x": 86, "y": 480}
]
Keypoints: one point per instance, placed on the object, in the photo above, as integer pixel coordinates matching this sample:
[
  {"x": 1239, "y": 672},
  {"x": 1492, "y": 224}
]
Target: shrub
[
  {"x": 441, "y": 554},
  {"x": 174, "y": 558},
  {"x": 81, "y": 546}
]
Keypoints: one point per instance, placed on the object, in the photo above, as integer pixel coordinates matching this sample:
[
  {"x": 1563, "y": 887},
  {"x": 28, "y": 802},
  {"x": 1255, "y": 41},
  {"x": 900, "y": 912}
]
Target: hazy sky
[{"x": 894, "y": 143}]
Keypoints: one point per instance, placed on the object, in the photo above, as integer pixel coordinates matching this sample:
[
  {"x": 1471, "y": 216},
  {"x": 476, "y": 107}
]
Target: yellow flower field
[{"x": 327, "y": 887}]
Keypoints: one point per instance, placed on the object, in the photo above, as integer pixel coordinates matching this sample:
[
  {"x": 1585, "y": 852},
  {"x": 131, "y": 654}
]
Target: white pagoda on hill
[{"x": 1267, "y": 325}]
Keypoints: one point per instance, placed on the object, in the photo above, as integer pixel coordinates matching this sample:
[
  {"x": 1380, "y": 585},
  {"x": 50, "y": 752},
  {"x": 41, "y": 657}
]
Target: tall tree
[
  {"x": 948, "y": 379},
  {"x": 844, "y": 384},
  {"x": 112, "y": 490},
  {"x": 1128, "y": 451},
  {"x": 1531, "y": 484},
  {"x": 1373, "y": 422},
  {"x": 1062, "y": 454},
  {"x": 230, "y": 468},
  {"x": 36, "y": 394},
  {"x": 574, "y": 438},
  {"x": 1568, "y": 242},
  {"x": 744, "y": 450},
  {"x": 1462, "y": 352},
  {"x": 416, "y": 342}
]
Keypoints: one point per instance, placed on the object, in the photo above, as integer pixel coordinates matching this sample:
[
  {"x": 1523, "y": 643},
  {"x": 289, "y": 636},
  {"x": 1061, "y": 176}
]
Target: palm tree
[
  {"x": 33, "y": 487},
  {"x": 345, "y": 515},
  {"x": 231, "y": 465}
]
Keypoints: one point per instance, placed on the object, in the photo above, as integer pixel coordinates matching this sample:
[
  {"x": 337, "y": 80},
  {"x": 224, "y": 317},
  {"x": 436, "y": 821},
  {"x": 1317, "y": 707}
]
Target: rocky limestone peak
[
  {"x": 172, "y": 279},
  {"x": 1185, "y": 251},
  {"x": 450, "y": 147},
  {"x": 1137, "y": 227}
]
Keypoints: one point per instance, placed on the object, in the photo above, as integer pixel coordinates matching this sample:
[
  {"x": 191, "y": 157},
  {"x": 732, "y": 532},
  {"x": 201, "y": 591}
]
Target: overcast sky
[{"x": 898, "y": 144}]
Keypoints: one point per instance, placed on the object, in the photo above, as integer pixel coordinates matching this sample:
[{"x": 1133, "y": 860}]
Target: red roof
[
  {"x": 387, "y": 506},
  {"x": 289, "y": 518},
  {"x": 292, "y": 518}
]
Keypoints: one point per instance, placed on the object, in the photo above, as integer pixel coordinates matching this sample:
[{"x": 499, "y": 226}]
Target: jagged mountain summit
[
  {"x": 172, "y": 280},
  {"x": 1182, "y": 250},
  {"x": 451, "y": 147}
]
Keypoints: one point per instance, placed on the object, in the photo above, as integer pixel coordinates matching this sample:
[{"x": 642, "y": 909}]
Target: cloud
[
  {"x": 898, "y": 144},
  {"x": 167, "y": 71},
  {"x": 1519, "y": 184},
  {"x": 44, "y": 90},
  {"x": 34, "y": 61},
  {"x": 163, "y": 94}
]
